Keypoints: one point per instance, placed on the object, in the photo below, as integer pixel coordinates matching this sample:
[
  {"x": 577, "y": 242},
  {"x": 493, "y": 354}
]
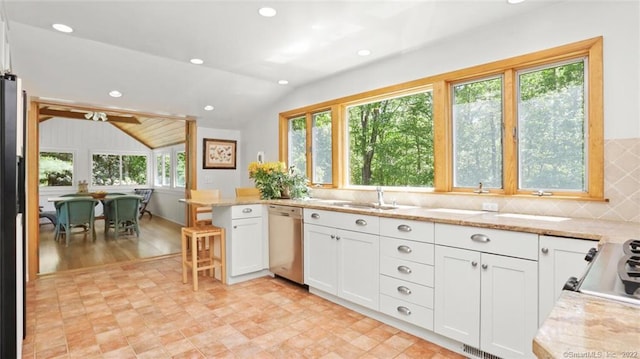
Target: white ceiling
[{"x": 142, "y": 48}]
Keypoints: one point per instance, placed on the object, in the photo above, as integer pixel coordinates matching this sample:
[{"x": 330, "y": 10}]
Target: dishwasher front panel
[{"x": 286, "y": 245}]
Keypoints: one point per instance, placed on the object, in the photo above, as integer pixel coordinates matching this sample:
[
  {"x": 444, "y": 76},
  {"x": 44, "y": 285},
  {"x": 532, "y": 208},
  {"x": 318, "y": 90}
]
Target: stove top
[{"x": 615, "y": 273}]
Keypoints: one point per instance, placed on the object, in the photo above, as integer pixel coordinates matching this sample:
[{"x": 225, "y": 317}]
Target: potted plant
[{"x": 274, "y": 180}]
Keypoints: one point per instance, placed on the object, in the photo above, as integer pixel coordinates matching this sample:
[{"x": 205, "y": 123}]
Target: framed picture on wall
[{"x": 219, "y": 154}]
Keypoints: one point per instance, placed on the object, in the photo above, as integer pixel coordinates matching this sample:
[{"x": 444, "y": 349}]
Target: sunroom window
[{"x": 56, "y": 169}]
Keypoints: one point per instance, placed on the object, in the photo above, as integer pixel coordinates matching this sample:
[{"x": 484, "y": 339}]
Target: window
[
  {"x": 180, "y": 173},
  {"x": 391, "y": 142},
  {"x": 552, "y": 148},
  {"x": 56, "y": 169},
  {"x": 477, "y": 133},
  {"x": 517, "y": 126},
  {"x": 118, "y": 170},
  {"x": 163, "y": 169},
  {"x": 309, "y": 144}
]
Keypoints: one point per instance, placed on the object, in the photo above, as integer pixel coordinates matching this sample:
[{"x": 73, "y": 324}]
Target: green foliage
[
  {"x": 275, "y": 181},
  {"x": 391, "y": 142},
  {"x": 107, "y": 171},
  {"x": 56, "y": 169}
]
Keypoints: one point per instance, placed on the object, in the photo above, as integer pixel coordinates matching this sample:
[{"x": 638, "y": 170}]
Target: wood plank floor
[{"x": 158, "y": 237}]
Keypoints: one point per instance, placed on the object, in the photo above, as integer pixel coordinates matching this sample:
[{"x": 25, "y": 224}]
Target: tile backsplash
[{"x": 622, "y": 188}]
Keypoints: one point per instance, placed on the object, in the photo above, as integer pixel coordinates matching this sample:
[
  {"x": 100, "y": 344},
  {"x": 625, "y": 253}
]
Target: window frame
[
  {"x": 591, "y": 49},
  {"x": 73, "y": 175},
  {"x": 120, "y": 154}
]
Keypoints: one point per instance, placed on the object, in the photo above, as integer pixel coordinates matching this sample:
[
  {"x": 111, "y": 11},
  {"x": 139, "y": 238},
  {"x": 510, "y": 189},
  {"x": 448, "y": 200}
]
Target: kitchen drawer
[
  {"x": 407, "y": 291},
  {"x": 509, "y": 243},
  {"x": 406, "y": 270},
  {"x": 408, "y": 250},
  {"x": 408, "y": 312},
  {"x": 245, "y": 211},
  {"x": 341, "y": 220},
  {"x": 406, "y": 229}
]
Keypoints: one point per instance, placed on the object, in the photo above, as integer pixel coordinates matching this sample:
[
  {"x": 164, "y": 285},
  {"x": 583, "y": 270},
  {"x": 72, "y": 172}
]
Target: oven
[{"x": 613, "y": 272}]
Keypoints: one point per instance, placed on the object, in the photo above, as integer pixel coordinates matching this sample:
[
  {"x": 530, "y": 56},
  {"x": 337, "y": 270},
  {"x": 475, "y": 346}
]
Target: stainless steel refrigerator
[{"x": 12, "y": 204}]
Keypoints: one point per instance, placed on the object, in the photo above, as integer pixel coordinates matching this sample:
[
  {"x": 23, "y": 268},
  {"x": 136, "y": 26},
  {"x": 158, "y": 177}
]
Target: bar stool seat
[{"x": 199, "y": 253}]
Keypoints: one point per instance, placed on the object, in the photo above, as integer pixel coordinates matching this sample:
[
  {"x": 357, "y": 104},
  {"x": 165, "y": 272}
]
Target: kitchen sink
[
  {"x": 455, "y": 211},
  {"x": 365, "y": 205}
]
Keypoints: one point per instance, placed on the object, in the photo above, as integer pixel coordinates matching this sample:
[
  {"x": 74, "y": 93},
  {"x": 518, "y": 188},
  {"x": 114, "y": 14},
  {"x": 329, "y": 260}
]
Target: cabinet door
[
  {"x": 320, "y": 258},
  {"x": 246, "y": 246},
  {"x": 560, "y": 258},
  {"x": 358, "y": 268},
  {"x": 457, "y": 294},
  {"x": 509, "y": 305}
]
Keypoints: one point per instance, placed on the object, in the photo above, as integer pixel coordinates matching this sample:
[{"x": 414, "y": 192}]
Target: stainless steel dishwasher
[{"x": 286, "y": 242}]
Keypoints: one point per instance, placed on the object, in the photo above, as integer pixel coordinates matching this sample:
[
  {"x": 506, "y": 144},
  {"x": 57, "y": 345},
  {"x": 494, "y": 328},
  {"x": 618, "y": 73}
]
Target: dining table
[{"x": 101, "y": 199}]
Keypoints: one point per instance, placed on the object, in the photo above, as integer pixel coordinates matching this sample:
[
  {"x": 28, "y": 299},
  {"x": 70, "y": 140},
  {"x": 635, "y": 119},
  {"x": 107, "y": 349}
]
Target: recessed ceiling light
[
  {"x": 364, "y": 52},
  {"x": 283, "y": 82},
  {"x": 208, "y": 108},
  {"x": 62, "y": 28},
  {"x": 197, "y": 61},
  {"x": 267, "y": 11},
  {"x": 115, "y": 93},
  {"x": 515, "y": 1}
]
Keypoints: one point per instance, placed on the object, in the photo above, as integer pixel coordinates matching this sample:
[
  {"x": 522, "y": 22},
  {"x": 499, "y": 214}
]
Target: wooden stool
[{"x": 198, "y": 252}]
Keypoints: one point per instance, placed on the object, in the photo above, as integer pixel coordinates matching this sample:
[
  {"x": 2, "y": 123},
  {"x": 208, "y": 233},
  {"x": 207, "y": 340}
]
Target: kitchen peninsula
[{"x": 578, "y": 323}]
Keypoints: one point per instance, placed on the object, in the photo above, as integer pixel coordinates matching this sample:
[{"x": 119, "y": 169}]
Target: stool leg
[
  {"x": 194, "y": 261},
  {"x": 212, "y": 270},
  {"x": 184, "y": 257},
  {"x": 223, "y": 255}
]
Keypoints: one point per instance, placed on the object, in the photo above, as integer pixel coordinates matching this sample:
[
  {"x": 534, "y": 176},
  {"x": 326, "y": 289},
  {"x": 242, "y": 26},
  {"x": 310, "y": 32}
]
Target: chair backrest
[
  {"x": 123, "y": 208},
  {"x": 145, "y": 193},
  {"x": 76, "y": 210},
  {"x": 247, "y": 192},
  {"x": 205, "y": 194}
]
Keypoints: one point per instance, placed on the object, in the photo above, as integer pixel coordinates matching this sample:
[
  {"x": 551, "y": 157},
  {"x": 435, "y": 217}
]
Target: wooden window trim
[{"x": 440, "y": 84}]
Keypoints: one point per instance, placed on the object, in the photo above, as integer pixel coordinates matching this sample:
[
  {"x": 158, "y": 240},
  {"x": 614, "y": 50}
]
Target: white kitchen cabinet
[
  {"x": 247, "y": 246},
  {"x": 560, "y": 258},
  {"x": 406, "y": 270},
  {"x": 342, "y": 262},
  {"x": 486, "y": 300}
]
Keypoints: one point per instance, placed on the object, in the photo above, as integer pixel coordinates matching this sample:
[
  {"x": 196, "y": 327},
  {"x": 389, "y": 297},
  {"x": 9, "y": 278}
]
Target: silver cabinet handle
[
  {"x": 247, "y": 210},
  {"x": 315, "y": 215},
  {"x": 484, "y": 266},
  {"x": 404, "y": 249},
  {"x": 480, "y": 238},
  {"x": 404, "y": 310},
  {"x": 545, "y": 250},
  {"x": 404, "y": 228},
  {"x": 333, "y": 236},
  {"x": 404, "y": 290},
  {"x": 404, "y": 269},
  {"x": 234, "y": 227},
  {"x": 337, "y": 238},
  {"x": 474, "y": 264},
  {"x": 361, "y": 222}
]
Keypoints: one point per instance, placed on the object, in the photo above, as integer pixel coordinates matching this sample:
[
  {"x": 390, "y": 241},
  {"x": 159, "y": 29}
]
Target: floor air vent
[{"x": 477, "y": 353}]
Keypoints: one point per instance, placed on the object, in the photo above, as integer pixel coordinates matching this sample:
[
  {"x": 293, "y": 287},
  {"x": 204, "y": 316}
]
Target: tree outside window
[
  {"x": 55, "y": 169},
  {"x": 118, "y": 170},
  {"x": 391, "y": 142}
]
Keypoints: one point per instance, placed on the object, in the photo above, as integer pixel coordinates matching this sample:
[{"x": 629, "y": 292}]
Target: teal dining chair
[
  {"x": 75, "y": 212},
  {"x": 122, "y": 214}
]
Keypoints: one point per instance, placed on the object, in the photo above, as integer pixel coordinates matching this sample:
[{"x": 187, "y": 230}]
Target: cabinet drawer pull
[
  {"x": 404, "y": 310},
  {"x": 484, "y": 266},
  {"x": 333, "y": 236},
  {"x": 247, "y": 210},
  {"x": 404, "y": 290},
  {"x": 404, "y": 249},
  {"x": 404, "y": 269},
  {"x": 404, "y": 228},
  {"x": 361, "y": 222},
  {"x": 545, "y": 250},
  {"x": 315, "y": 215},
  {"x": 474, "y": 264},
  {"x": 480, "y": 238}
]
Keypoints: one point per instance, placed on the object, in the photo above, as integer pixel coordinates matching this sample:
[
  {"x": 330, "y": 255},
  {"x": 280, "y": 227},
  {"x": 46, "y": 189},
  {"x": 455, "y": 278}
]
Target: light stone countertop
[{"x": 580, "y": 325}]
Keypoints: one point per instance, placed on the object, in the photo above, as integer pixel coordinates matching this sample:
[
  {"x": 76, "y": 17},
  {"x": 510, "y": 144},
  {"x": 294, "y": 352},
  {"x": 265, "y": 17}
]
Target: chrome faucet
[{"x": 380, "y": 196}]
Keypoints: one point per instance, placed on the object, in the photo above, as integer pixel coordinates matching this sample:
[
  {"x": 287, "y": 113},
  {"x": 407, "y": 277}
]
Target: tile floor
[{"x": 142, "y": 310}]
